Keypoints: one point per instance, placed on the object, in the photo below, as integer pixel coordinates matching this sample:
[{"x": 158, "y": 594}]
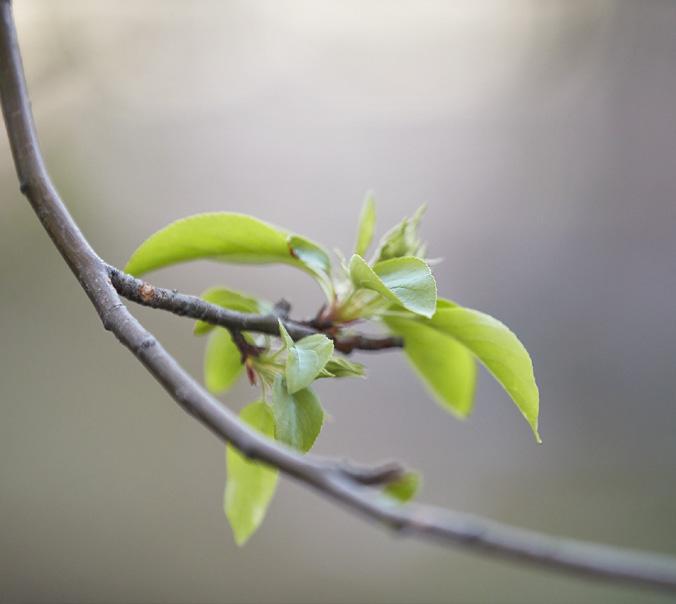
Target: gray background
[{"x": 543, "y": 136}]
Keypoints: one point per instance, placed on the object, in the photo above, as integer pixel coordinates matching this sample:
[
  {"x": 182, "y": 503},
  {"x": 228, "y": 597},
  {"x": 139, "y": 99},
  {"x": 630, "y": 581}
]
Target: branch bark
[
  {"x": 185, "y": 305},
  {"x": 338, "y": 481}
]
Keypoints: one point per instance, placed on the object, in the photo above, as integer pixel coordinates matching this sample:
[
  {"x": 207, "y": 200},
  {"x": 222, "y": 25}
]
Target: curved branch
[
  {"x": 332, "y": 479},
  {"x": 185, "y": 305}
]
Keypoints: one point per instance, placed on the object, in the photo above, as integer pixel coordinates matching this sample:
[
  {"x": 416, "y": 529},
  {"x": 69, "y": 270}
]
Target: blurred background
[{"x": 543, "y": 137}]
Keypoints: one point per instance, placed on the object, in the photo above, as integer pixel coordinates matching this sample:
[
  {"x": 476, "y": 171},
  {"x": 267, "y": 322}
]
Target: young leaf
[
  {"x": 231, "y": 300},
  {"x": 222, "y": 236},
  {"x": 250, "y": 485},
  {"x": 406, "y": 281},
  {"x": 284, "y": 334},
  {"x": 402, "y": 240},
  {"x": 367, "y": 223},
  {"x": 500, "y": 351},
  {"x": 298, "y": 416},
  {"x": 305, "y": 358},
  {"x": 444, "y": 364},
  {"x": 405, "y": 488},
  {"x": 222, "y": 362},
  {"x": 339, "y": 367},
  {"x": 489, "y": 340},
  {"x": 310, "y": 254}
]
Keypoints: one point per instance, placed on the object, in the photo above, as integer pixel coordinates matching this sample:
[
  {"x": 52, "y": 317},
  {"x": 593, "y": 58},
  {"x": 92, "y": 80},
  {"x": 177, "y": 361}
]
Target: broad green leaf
[
  {"x": 499, "y": 350},
  {"x": 339, "y": 367},
  {"x": 402, "y": 240},
  {"x": 367, "y": 223},
  {"x": 222, "y": 362},
  {"x": 305, "y": 358},
  {"x": 231, "y": 300},
  {"x": 222, "y": 236},
  {"x": 250, "y": 484},
  {"x": 407, "y": 281},
  {"x": 298, "y": 416},
  {"x": 405, "y": 488},
  {"x": 444, "y": 364}
]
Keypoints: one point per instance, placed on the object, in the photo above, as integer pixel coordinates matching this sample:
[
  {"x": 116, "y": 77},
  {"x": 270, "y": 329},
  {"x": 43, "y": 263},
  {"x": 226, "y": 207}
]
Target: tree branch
[
  {"x": 336, "y": 481},
  {"x": 185, "y": 305}
]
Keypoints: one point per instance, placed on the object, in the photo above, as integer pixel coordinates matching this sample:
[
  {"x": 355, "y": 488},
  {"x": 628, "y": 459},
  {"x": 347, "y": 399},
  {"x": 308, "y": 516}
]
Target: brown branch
[
  {"x": 186, "y": 305},
  {"x": 336, "y": 481}
]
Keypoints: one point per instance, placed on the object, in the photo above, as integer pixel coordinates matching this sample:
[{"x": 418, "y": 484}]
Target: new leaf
[
  {"x": 250, "y": 484},
  {"x": 305, "y": 359},
  {"x": 367, "y": 223},
  {"x": 222, "y": 362},
  {"x": 226, "y": 237},
  {"x": 405, "y": 281},
  {"x": 298, "y": 416}
]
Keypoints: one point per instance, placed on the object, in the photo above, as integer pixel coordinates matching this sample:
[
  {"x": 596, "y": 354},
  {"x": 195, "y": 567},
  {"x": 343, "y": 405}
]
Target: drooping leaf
[
  {"x": 407, "y": 281},
  {"x": 305, "y": 358},
  {"x": 339, "y": 367},
  {"x": 486, "y": 338},
  {"x": 231, "y": 300},
  {"x": 221, "y": 236},
  {"x": 499, "y": 350},
  {"x": 443, "y": 363},
  {"x": 298, "y": 416},
  {"x": 367, "y": 223},
  {"x": 222, "y": 362},
  {"x": 405, "y": 488},
  {"x": 250, "y": 485},
  {"x": 402, "y": 240}
]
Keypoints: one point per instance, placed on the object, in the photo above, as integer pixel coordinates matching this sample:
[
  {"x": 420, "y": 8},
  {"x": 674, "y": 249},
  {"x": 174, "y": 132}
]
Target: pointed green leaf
[
  {"x": 367, "y": 223},
  {"x": 231, "y": 300},
  {"x": 305, "y": 360},
  {"x": 310, "y": 254},
  {"x": 407, "y": 281},
  {"x": 444, "y": 365},
  {"x": 402, "y": 240},
  {"x": 339, "y": 367},
  {"x": 225, "y": 237},
  {"x": 499, "y": 350},
  {"x": 298, "y": 416},
  {"x": 284, "y": 335},
  {"x": 405, "y": 488},
  {"x": 250, "y": 484},
  {"x": 222, "y": 362}
]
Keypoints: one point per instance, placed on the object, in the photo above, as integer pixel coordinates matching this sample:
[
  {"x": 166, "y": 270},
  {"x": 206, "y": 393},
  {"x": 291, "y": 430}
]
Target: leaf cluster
[{"x": 394, "y": 288}]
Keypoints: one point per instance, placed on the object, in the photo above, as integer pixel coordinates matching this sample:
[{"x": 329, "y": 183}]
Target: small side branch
[{"x": 185, "y": 305}]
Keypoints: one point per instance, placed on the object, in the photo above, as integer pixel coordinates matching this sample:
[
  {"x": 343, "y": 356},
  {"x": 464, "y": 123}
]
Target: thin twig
[
  {"x": 186, "y": 305},
  {"x": 334, "y": 480}
]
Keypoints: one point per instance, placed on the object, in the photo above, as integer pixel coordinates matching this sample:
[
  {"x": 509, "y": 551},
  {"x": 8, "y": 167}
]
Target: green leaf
[
  {"x": 310, "y": 254},
  {"x": 305, "y": 358},
  {"x": 500, "y": 351},
  {"x": 339, "y": 367},
  {"x": 222, "y": 362},
  {"x": 405, "y": 488},
  {"x": 403, "y": 240},
  {"x": 298, "y": 416},
  {"x": 250, "y": 485},
  {"x": 444, "y": 364},
  {"x": 407, "y": 281},
  {"x": 226, "y": 237},
  {"x": 231, "y": 300},
  {"x": 284, "y": 334},
  {"x": 367, "y": 223}
]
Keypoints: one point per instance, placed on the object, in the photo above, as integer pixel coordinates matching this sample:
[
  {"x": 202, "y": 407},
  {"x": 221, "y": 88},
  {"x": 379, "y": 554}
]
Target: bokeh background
[{"x": 543, "y": 137}]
